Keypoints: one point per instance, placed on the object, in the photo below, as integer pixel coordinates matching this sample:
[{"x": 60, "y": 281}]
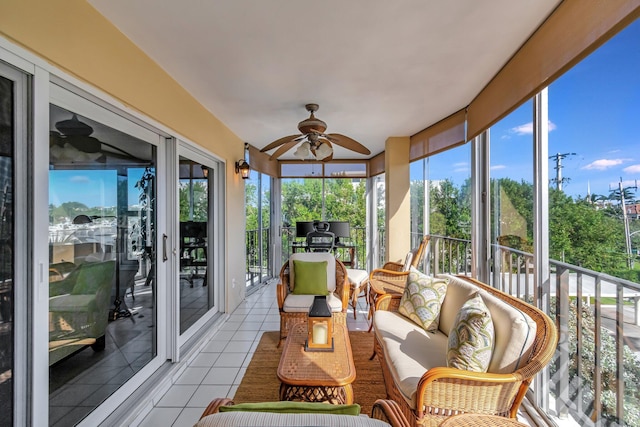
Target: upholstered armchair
[
  {"x": 299, "y": 285},
  {"x": 79, "y": 309}
]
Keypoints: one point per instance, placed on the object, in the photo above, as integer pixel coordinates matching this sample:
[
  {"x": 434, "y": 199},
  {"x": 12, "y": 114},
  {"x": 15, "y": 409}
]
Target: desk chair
[{"x": 320, "y": 241}]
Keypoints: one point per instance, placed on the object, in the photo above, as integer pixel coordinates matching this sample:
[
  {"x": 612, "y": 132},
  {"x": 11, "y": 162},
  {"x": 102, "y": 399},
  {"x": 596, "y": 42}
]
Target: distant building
[{"x": 633, "y": 211}]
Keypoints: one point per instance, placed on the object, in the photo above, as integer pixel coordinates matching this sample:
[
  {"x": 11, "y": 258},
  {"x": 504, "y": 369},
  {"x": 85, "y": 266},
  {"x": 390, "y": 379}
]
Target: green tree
[
  {"x": 200, "y": 200},
  {"x": 450, "y": 212},
  {"x": 251, "y": 205},
  {"x": 582, "y": 235}
]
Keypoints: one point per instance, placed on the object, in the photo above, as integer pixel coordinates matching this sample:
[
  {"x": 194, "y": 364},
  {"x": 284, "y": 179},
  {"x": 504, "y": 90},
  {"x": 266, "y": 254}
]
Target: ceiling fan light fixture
[
  {"x": 303, "y": 151},
  {"x": 323, "y": 151}
]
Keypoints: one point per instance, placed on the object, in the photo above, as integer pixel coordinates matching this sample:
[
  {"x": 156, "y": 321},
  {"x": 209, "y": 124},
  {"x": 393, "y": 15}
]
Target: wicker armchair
[
  {"x": 443, "y": 392},
  {"x": 392, "y": 277},
  {"x": 296, "y": 312}
]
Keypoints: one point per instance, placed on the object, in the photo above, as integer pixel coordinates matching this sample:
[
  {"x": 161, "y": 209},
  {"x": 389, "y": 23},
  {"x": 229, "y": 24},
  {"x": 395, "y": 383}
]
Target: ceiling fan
[
  {"x": 315, "y": 143},
  {"x": 73, "y": 143}
]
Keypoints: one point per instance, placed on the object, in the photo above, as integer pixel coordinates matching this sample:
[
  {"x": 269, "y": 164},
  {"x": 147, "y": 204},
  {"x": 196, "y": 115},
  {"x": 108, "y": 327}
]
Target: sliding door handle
[{"x": 164, "y": 247}]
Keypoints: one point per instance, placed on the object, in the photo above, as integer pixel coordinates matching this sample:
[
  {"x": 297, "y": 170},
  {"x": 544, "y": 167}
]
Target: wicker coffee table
[{"x": 317, "y": 376}]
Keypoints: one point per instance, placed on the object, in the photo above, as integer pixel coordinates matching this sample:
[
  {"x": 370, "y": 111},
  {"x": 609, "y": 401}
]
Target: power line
[{"x": 559, "y": 180}]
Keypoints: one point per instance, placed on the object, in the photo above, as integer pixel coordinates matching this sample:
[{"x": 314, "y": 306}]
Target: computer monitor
[
  {"x": 340, "y": 229},
  {"x": 303, "y": 228}
]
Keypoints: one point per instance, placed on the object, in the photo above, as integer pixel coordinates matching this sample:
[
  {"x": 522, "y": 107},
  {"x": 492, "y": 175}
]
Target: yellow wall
[
  {"x": 74, "y": 37},
  {"x": 397, "y": 195}
]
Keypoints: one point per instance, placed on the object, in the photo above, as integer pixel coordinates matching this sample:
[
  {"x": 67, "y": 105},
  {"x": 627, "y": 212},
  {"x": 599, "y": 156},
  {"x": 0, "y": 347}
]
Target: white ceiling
[{"x": 377, "y": 68}]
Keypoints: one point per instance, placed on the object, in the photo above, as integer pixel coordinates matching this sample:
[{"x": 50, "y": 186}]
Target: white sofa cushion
[
  {"x": 357, "y": 277},
  {"x": 302, "y": 303},
  {"x": 315, "y": 257},
  {"x": 409, "y": 350},
  {"x": 514, "y": 330}
]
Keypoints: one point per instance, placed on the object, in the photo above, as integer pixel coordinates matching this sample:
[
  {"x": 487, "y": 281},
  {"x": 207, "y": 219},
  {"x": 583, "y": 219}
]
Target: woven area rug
[{"x": 260, "y": 382}]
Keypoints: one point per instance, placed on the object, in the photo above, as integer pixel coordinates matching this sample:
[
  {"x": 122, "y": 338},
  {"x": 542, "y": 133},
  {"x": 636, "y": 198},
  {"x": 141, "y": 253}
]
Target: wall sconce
[{"x": 242, "y": 167}]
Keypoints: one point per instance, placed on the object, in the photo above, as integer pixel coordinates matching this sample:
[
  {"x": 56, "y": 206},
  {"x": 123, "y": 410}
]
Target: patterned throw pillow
[
  {"x": 471, "y": 337},
  {"x": 422, "y": 299}
]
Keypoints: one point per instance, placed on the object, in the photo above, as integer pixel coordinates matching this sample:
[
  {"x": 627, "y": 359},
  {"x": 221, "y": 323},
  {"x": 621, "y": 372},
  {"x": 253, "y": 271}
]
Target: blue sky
[
  {"x": 91, "y": 187},
  {"x": 594, "y": 111}
]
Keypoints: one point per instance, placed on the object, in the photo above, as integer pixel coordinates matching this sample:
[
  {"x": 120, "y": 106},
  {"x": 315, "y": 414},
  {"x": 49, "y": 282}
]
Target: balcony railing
[
  {"x": 595, "y": 375},
  {"x": 258, "y": 256}
]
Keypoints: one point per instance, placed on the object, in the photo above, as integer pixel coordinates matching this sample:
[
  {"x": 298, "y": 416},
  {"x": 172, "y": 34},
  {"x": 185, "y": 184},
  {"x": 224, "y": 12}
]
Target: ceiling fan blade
[
  {"x": 283, "y": 149},
  {"x": 348, "y": 143},
  {"x": 281, "y": 141}
]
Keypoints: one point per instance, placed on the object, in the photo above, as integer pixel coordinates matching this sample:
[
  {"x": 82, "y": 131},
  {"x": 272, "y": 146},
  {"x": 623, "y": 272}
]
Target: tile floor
[{"x": 218, "y": 369}]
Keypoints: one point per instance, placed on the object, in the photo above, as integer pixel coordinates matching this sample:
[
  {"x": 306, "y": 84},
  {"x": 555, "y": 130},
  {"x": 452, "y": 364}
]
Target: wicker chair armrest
[
  {"x": 387, "y": 282},
  {"x": 342, "y": 284},
  {"x": 393, "y": 266},
  {"x": 281, "y": 294},
  {"x": 389, "y": 412},
  {"x": 215, "y": 404},
  {"x": 495, "y": 392},
  {"x": 388, "y": 302}
]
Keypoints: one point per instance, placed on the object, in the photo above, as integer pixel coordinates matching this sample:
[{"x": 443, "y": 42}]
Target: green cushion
[
  {"x": 311, "y": 278},
  {"x": 422, "y": 299},
  {"x": 471, "y": 337},
  {"x": 294, "y": 408}
]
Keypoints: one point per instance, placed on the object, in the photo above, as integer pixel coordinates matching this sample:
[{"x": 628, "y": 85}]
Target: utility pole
[
  {"x": 627, "y": 235},
  {"x": 558, "y": 159}
]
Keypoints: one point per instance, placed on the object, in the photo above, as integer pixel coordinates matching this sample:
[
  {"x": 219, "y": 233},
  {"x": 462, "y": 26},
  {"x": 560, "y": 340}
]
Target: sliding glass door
[
  {"x": 102, "y": 255},
  {"x": 200, "y": 272},
  {"x": 195, "y": 296},
  {"x": 13, "y": 142}
]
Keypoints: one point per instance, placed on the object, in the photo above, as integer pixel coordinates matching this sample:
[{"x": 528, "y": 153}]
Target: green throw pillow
[
  {"x": 310, "y": 278},
  {"x": 422, "y": 299},
  {"x": 294, "y": 408},
  {"x": 471, "y": 337}
]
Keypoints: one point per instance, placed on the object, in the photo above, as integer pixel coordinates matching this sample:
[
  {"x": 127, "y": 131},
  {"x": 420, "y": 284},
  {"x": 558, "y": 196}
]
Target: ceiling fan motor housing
[{"x": 312, "y": 125}]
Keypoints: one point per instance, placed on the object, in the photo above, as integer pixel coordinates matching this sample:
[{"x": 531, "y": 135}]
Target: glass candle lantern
[{"x": 320, "y": 326}]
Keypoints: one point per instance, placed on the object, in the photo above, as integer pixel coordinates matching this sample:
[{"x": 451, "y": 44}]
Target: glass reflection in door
[
  {"x": 102, "y": 327},
  {"x": 196, "y": 296},
  {"x": 6, "y": 250}
]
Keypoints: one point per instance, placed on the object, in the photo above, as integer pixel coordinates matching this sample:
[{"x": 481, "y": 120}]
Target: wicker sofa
[
  {"x": 414, "y": 361},
  {"x": 384, "y": 413}
]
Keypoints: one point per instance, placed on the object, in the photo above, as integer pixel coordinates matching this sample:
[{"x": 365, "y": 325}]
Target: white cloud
[
  {"x": 498, "y": 167},
  {"x": 79, "y": 178},
  {"x": 527, "y": 129},
  {"x": 461, "y": 169},
  {"x": 461, "y": 164},
  {"x": 632, "y": 169},
  {"x": 603, "y": 164}
]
